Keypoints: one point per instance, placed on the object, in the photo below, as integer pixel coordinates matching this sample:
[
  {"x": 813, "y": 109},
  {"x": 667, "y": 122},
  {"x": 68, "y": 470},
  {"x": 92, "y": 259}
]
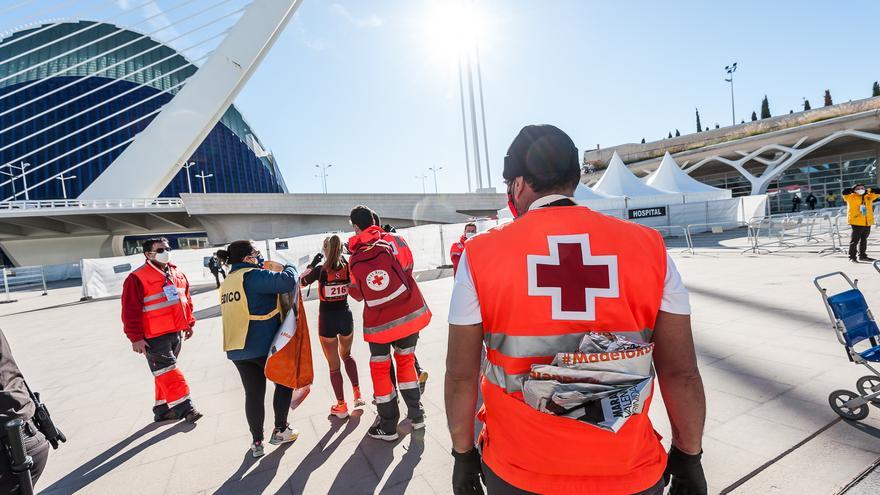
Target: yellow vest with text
[
  {"x": 854, "y": 204},
  {"x": 235, "y": 313}
]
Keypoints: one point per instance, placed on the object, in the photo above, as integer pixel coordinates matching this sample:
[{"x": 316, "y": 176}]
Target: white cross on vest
[{"x": 572, "y": 277}]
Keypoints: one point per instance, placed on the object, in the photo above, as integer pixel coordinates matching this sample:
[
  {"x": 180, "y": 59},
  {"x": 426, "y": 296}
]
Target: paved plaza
[{"x": 767, "y": 356}]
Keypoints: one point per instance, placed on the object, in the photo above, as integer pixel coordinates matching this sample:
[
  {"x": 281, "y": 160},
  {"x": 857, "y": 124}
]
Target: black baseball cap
[{"x": 544, "y": 152}]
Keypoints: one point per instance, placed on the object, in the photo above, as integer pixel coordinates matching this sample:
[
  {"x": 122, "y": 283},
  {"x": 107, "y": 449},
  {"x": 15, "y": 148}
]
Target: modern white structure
[
  {"x": 617, "y": 180},
  {"x": 670, "y": 178}
]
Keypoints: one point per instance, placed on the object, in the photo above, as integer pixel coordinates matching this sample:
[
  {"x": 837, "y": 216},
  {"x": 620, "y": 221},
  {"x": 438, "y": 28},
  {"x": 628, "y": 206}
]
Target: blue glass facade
[{"x": 76, "y": 111}]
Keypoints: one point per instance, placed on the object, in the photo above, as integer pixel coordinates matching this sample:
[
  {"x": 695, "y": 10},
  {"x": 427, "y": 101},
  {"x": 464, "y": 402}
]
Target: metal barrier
[
  {"x": 669, "y": 229},
  {"x": 690, "y": 232},
  {"x": 23, "y": 278}
]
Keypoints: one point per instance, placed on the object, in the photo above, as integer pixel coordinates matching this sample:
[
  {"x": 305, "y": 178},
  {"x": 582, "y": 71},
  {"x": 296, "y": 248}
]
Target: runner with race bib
[{"x": 335, "y": 322}]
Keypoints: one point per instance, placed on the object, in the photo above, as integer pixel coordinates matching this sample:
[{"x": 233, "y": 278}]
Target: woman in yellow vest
[
  {"x": 860, "y": 214},
  {"x": 251, "y": 310}
]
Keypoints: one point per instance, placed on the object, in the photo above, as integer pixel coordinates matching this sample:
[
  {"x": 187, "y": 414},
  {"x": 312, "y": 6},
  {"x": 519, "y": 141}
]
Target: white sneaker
[
  {"x": 288, "y": 435},
  {"x": 257, "y": 450}
]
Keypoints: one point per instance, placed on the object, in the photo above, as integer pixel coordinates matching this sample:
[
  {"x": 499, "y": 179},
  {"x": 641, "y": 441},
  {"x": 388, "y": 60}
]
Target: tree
[
  {"x": 875, "y": 91},
  {"x": 669, "y": 136},
  {"x": 677, "y": 133},
  {"x": 643, "y": 140},
  {"x": 699, "y": 126},
  {"x": 765, "y": 108},
  {"x": 828, "y": 101},
  {"x": 754, "y": 117},
  {"x": 807, "y": 105}
]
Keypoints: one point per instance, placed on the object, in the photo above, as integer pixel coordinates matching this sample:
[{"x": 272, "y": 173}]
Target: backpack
[{"x": 383, "y": 282}]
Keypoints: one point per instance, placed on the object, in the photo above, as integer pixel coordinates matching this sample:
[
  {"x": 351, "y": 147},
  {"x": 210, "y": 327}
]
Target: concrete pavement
[{"x": 767, "y": 356}]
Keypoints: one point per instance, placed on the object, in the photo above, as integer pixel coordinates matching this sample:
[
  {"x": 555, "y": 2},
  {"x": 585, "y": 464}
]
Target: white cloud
[{"x": 370, "y": 21}]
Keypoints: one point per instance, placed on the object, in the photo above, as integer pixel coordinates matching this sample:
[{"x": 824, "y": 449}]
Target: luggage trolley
[{"x": 854, "y": 327}]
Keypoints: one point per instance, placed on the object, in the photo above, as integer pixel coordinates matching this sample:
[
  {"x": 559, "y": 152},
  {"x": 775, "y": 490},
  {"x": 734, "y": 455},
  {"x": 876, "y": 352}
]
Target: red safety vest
[
  {"x": 400, "y": 249},
  {"x": 334, "y": 284},
  {"x": 543, "y": 281},
  {"x": 455, "y": 253},
  {"x": 163, "y": 315},
  {"x": 393, "y": 304}
]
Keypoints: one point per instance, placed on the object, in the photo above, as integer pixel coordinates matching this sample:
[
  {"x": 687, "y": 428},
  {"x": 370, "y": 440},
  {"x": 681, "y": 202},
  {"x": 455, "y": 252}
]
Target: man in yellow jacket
[{"x": 860, "y": 214}]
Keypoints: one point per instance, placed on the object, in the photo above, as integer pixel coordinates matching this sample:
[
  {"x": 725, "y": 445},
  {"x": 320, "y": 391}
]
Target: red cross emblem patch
[{"x": 572, "y": 277}]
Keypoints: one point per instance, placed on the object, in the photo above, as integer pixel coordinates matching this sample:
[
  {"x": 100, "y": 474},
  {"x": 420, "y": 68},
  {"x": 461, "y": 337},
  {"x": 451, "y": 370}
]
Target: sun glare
[{"x": 452, "y": 27}]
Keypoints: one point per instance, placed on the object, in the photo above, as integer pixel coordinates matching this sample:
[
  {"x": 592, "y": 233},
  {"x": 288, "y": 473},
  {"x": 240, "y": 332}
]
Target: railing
[
  {"x": 22, "y": 278},
  {"x": 107, "y": 204},
  {"x": 668, "y": 231}
]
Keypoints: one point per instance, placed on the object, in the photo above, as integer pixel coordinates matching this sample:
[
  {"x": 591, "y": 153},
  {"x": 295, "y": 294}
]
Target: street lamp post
[
  {"x": 422, "y": 177},
  {"x": 323, "y": 167},
  {"x": 21, "y": 168},
  {"x": 730, "y": 69},
  {"x": 434, "y": 170},
  {"x": 189, "y": 185},
  {"x": 11, "y": 181},
  {"x": 204, "y": 176},
  {"x": 62, "y": 178}
]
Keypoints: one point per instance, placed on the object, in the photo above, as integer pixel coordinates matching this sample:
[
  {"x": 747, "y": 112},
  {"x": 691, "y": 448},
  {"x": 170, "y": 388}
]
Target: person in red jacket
[
  {"x": 394, "y": 313},
  {"x": 457, "y": 248},
  {"x": 157, "y": 315},
  {"x": 404, "y": 255}
]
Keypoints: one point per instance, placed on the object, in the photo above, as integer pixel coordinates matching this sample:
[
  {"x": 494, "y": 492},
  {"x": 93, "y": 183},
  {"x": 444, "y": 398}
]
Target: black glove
[
  {"x": 686, "y": 473},
  {"x": 467, "y": 474},
  {"x": 317, "y": 259}
]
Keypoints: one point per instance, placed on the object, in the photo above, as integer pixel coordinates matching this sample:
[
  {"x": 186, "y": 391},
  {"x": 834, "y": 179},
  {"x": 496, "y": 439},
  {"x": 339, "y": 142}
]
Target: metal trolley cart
[{"x": 857, "y": 331}]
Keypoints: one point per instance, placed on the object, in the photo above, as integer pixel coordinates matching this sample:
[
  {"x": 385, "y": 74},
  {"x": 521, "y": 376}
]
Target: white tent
[
  {"x": 669, "y": 177},
  {"x": 597, "y": 200},
  {"x": 618, "y": 180}
]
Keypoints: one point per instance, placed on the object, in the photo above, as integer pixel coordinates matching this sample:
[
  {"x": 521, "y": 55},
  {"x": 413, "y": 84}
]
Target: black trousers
[
  {"x": 497, "y": 486},
  {"x": 172, "y": 391},
  {"x": 859, "y": 240},
  {"x": 404, "y": 354},
  {"x": 38, "y": 448},
  {"x": 253, "y": 379}
]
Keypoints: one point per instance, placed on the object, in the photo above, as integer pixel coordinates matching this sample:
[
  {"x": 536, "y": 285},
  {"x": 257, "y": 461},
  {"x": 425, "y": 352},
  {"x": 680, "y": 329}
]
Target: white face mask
[
  {"x": 163, "y": 257},
  {"x": 468, "y": 235},
  {"x": 860, "y": 191}
]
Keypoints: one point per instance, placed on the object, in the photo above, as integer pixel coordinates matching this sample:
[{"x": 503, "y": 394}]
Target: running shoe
[
  {"x": 288, "y": 435},
  {"x": 423, "y": 380},
  {"x": 257, "y": 449},
  {"x": 358, "y": 400},
  {"x": 380, "y": 434},
  {"x": 340, "y": 410},
  {"x": 866, "y": 258}
]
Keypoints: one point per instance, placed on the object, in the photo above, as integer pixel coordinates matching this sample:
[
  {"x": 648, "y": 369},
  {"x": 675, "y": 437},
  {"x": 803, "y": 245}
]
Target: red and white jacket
[{"x": 393, "y": 304}]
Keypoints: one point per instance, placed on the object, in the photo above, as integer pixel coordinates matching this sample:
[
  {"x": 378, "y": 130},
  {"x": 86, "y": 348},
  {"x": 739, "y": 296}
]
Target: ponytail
[{"x": 333, "y": 248}]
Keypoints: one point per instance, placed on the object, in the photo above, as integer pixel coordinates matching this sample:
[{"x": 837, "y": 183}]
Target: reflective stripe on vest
[
  {"x": 235, "y": 312},
  {"x": 161, "y": 316},
  {"x": 398, "y": 322},
  {"x": 543, "y": 282},
  {"x": 382, "y": 300}
]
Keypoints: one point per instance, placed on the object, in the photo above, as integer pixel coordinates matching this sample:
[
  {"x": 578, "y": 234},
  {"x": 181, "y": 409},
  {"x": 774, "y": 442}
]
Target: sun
[{"x": 452, "y": 28}]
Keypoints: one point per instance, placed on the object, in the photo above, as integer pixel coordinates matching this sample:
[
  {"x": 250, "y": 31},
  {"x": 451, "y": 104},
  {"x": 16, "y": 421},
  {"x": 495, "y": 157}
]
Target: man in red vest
[
  {"x": 457, "y": 248},
  {"x": 536, "y": 287},
  {"x": 157, "y": 314},
  {"x": 394, "y": 313}
]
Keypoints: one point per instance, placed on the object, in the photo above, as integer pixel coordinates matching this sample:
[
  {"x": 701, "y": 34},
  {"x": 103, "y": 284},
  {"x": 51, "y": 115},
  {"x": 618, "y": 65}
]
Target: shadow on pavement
[
  {"x": 378, "y": 456},
  {"x": 99, "y": 466},
  {"x": 321, "y": 452},
  {"x": 248, "y": 480},
  {"x": 759, "y": 305},
  {"x": 862, "y": 427}
]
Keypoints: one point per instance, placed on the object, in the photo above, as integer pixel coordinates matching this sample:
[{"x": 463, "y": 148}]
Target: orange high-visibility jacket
[
  {"x": 162, "y": 315},
  {"x": 543, "y": 281},
  {"x": 400, "y": 249}
]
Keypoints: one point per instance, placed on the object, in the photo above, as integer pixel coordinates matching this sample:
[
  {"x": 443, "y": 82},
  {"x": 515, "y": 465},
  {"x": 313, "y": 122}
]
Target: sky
[{"x": 372, "y": 86}]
